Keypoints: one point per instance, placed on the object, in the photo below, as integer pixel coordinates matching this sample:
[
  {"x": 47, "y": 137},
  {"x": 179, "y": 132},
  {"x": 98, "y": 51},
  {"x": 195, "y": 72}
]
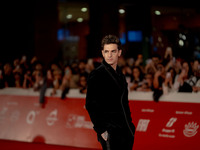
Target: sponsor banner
[
  {"x": 166, "y": 125},
  {"x": 60, "y": 122}
]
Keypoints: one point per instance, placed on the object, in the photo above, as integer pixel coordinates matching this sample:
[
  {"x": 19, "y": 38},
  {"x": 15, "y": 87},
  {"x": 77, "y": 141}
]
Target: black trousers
[{"x": 117, "y": 141}]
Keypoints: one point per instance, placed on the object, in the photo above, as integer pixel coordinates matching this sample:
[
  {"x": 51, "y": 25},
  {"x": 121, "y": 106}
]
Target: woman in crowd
[
  {"x": 137, "y": 78},
  {"x": 183, "y": 78},
  {"x": 159, "y": 78}
]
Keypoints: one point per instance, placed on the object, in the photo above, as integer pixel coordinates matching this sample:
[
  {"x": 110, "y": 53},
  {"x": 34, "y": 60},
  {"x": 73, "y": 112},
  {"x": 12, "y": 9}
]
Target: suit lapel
[{"x": 112, "y": 77}]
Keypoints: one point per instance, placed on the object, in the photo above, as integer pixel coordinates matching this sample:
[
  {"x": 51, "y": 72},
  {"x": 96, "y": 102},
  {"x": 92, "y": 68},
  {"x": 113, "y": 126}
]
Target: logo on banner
[
  {"x": 142, "y": 125},
  {"x": 30, "y": 118},
  {"x": 76, "y": 121},
  {"x": 52, "y": 118},
  {"x": 2, "y": 114},
  {"x": 168, "y": 132},
  {"x": 190, "y": 129},
  {"x": 147, "y": 110},
  {"x": 15, "y": 116},
  {"x": 171, "y": 122}
]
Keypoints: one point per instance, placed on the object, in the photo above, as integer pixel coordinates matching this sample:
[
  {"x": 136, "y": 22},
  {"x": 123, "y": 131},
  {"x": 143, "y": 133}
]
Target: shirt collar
[{"x": 118, "y": 71}]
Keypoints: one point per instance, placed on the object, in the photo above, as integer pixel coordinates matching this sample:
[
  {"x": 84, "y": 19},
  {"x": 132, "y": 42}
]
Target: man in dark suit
[{"x": 107, "y": 100}]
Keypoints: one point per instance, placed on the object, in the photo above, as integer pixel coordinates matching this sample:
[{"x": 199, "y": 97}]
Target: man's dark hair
[{"x": 111, "y": 39}]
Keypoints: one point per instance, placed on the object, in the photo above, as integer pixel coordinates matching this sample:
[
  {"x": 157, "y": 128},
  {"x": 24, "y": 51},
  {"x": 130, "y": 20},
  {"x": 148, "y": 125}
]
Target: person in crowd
[
  {"x": 9, "y": 79},
  {"x": 48, "y": 83},
  {"x": 18, "y": 79},
  {"x": 82, "y": 67},
  {"x": 169, "y": 59},
  {"x": 139, "y": 62},
  {"x": 24, "y": 64},
  {"x": 195, "y": 66},
  {"x": 147, "y": 83},
  {"x": 66, "y": 81},
  {"x": 177, "y": 65},
  {"x": 90, "y": 65},
  {"x": 127, "y": 71},
  {"x": 18, "y": 72},
  {"x": 159, "y": 78},
  {"x": 122, "y": 61},
  {"x": 196, "y": 71},
  {"x": 107, "y": 100},
  {"x": 151, "y": 64},
  {"x": 49, "y": 78},
  {"x": 70, "y": 79},
  {"x": 28, "y": 80},
  {"x": 75, "y": 75},
  {"x": 2, "y": 84},
  {"x": 57, "y": 78},
  {"x": 196, "y": 87},
  {"x": 185, "y": 79},
  {"x": 33, "y": 61},
  {"x": 168, "y": 84},
  {"x": 136, "y": 78},
  {"x": 38, "y": 80},
  {"x": 83, "y": 83},
  {"x": 38, "y": 76},
  {"x": 129, "y": 62},
  {"x": 16, "y": 65}
]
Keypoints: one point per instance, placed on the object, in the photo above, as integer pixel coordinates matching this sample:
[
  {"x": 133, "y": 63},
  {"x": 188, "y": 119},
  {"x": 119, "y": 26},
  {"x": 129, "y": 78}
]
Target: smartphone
[{"x": 168, "y": 75}]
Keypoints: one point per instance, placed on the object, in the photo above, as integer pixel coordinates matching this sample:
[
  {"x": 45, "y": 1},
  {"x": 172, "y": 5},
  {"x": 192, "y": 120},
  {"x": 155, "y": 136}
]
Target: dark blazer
[{"x": 107, "y": 100}]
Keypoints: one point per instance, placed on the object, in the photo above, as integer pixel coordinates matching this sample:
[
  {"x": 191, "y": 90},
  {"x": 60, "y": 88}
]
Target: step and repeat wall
[{"x": 172, "y": 123}]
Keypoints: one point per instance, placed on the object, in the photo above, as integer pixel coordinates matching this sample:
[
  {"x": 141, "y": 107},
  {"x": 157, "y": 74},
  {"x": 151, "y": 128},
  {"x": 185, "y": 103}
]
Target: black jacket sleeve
[{"x": 93, "y": 103}]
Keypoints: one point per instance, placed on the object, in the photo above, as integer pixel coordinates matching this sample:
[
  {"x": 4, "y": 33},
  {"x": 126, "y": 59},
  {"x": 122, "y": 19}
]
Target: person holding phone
[{"x": 168, "y": 84}]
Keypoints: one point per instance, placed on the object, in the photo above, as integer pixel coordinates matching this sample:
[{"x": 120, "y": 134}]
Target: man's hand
[{"x": 105, "y": 135}]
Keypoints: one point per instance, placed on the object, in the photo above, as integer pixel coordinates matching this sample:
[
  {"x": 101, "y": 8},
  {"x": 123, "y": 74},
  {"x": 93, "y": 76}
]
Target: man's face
[{"x": 111, "y": 54}]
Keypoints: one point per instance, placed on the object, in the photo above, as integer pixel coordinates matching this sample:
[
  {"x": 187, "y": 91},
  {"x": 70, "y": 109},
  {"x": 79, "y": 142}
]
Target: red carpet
[{"x": 15, "y": 145}]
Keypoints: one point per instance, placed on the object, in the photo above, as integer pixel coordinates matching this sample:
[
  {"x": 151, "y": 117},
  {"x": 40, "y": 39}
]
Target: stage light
[
  {"x": 121, "y": 11},
  {"x": 157, "y": 12},
  {"x": 69, "y": 16},
  {"x": 80, "y": 20},
  {"x": 84, "y": 9}
]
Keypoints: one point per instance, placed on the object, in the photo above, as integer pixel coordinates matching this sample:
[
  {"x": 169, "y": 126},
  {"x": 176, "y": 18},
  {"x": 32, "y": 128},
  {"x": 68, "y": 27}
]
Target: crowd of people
[{"x": 158, "y": 74}]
